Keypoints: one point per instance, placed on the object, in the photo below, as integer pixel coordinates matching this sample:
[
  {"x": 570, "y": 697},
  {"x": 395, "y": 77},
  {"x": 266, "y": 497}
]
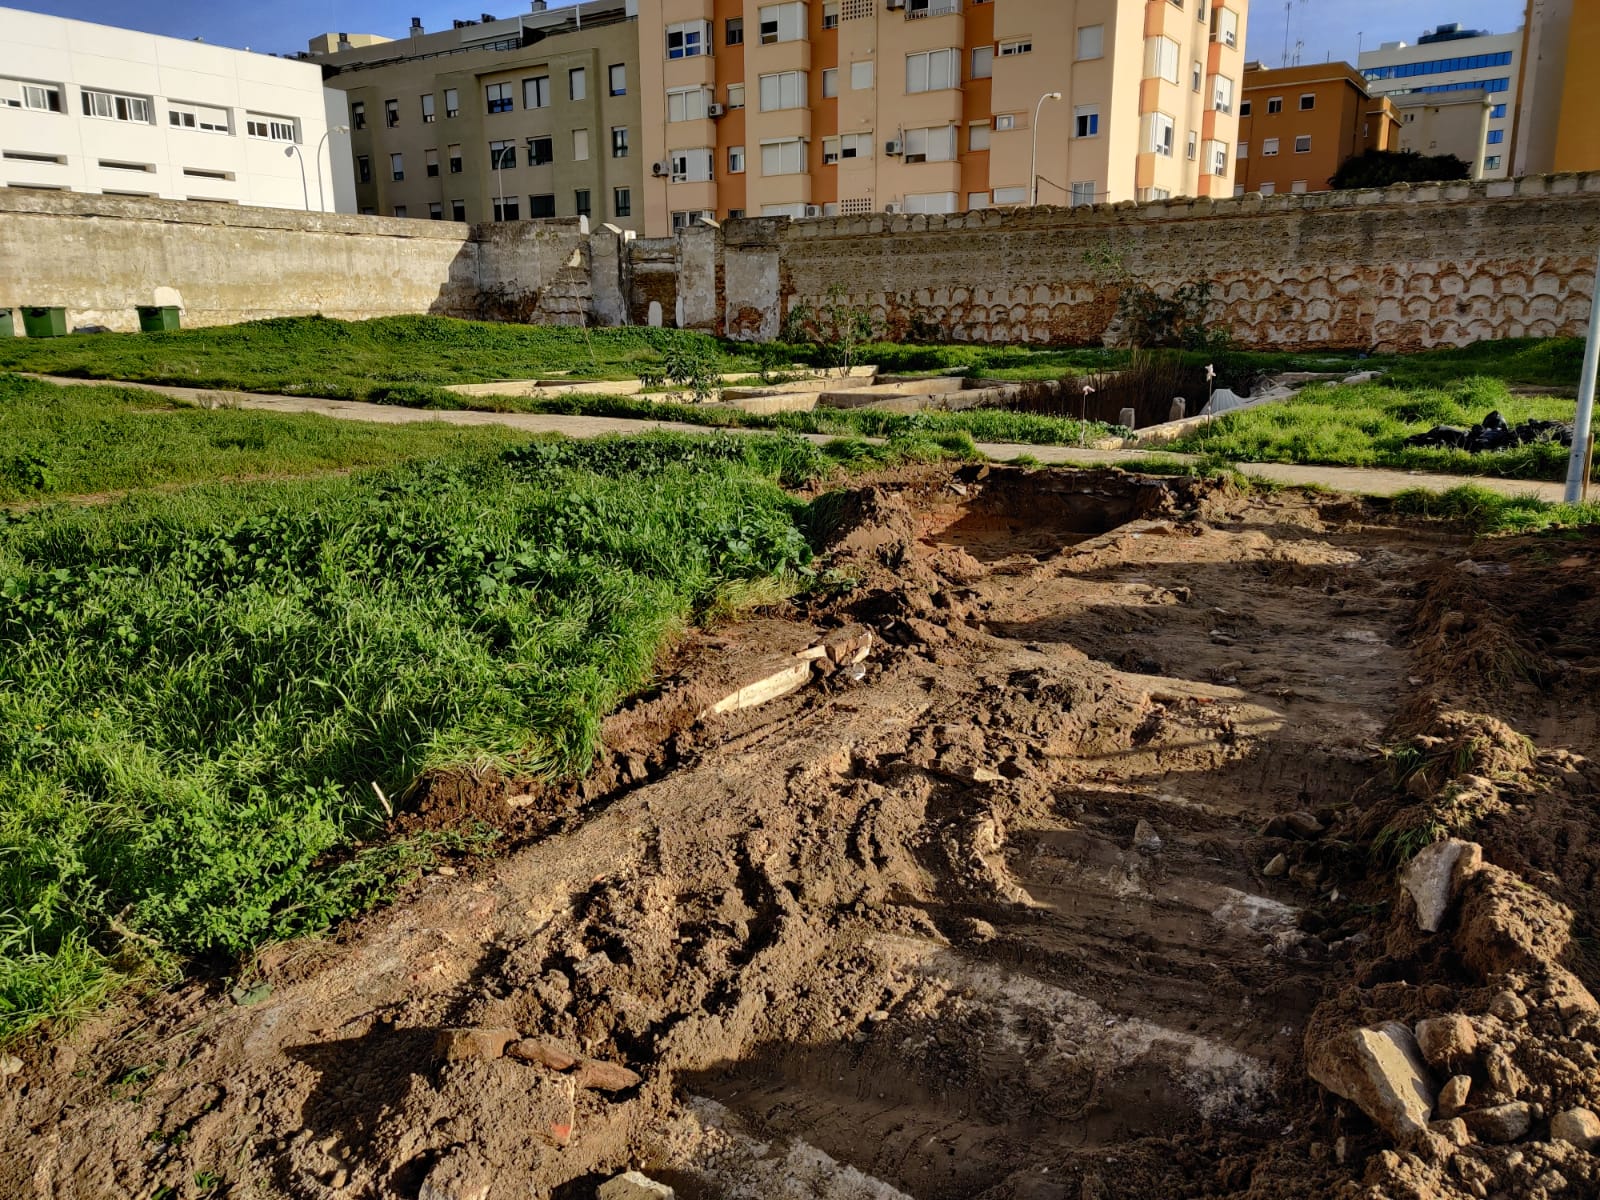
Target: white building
[
  {"x": 93, "y": 108},
  {"x": 1447, "y": 64}
]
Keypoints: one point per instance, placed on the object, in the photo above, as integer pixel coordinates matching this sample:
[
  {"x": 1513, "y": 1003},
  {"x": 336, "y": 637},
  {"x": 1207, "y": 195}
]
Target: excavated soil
[{"x": 1048, "y": 899}]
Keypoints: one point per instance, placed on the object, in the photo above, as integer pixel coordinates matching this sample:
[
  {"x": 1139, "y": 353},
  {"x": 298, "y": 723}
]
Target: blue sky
[{"x": 284, "y": 25}]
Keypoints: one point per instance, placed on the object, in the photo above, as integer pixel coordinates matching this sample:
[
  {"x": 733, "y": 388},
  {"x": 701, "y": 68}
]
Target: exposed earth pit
[{"x": 1040, "y": 900}]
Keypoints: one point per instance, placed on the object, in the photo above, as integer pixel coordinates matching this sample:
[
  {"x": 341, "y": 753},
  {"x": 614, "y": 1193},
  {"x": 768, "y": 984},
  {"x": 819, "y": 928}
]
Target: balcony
[{"x": 918, "y": 10}]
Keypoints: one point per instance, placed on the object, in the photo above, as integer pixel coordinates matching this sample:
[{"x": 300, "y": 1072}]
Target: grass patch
[
  {"x": 199, "y": 688},
  {"x": 1489, "y": 512}
]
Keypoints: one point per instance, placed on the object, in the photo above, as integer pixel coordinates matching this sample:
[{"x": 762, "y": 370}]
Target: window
[
  {"x": 736, "y": 160},
  {"x": 1308, "y": 101},
  {"x": 861, "y": 75},
  {"x": 1197, "y": 74},
  {"x": 977, "y": 200},
  {"x": 1004, "y": 122},
  {"x": 363, "y": 169},
  {"x": 1491, "y": 163},
  {"x": 275, "y": 129},
  {"x": 983, "y": 62},
  {"x": 622, "y": 202},
  {"x": 1268, "y": 188},
  {"x": 541, "y": 151},
  {"x": 1161, "y": 134},
  {"x": 1225, "y": 26},
  {"x": 1244, "y": 149},
  {"x": 358, "y": 115},
  {"x": 1011, "y": 195},
  {"x": 830, "y": 14},
  {"x": 1269, "y": 147},
  {"x": 397, "y": 166},
  {"x": 452, "y": 102},
  {"x": 786, "y": 157},
  {"x": 454, "y": 155},
  {"x": 1151, "y": 194},
  {"x": 830, "y": 150},
  {"x": 1086, "y": 120},
  {"x": 458, "y": 210},
  {"x": 1274, "y": 105},
  {"x": 536, "y": 92},
  {"x": 399, "y": 210},
  {"x": 580, "y": 145},
  {"x": 541, "y": 207},
  {"x": 1091, "y": 44},
  {"x": 1302, "y": 144},
  {"x": 198, "y": 116},
  {"x": 110, "y": 106},
  {"x": 1015, "y": 47},
  {"x": 733, "y": 32},
  {"x": 1244, "y": 108},
  {"x": 736, "y": 214},
  {"x": 830, "y": 82},
  {"x": 430, "y": 163},
  {"x": 1439, "y": 66},
  {"x": 502, "y": 155},
  {"x": 692, "y": 166},
  {"x": 855, "y": 145},
  {"x": 1498, "y": 112},
  {"x": 499, "y": 97},
  {"x": 1194, "y": 141},
  {"x": 41, "y": 97},
  {"x": 505, "y": 210},
  {"x": 1222, "y": 94},
  {"x": 933, "y": 70},
  {"x": 365, "y": 210},
  {"x": 1298, "y": 187},
  {"x": 931, "y": 145},
  {"x": 684, "y": 219},
  {"x": 426, "y": 100},
  {"x": 619, "y": 141},
  {"x": 783, "y": 23},
  {"x": 578, "y": 83},
  {"x": 435, "y": 211},
  {"x": 1496, "y": 136},
  {"x": 1217, "y": 157},
  {"x": 580, "y": 202},
  {"x": 617, "y": 77},
  {"x": 687, "y": 39},
  {"x": 1083, "y": 193},
  {"x": 1161, "y": 59},
  {"x": 931, "y": 202},
  {"x": 978, "y": 135},
  {"x": 391, "y": 113},
  {"x": 687, "y": 104},
  {"x": 787, "y": 89}
]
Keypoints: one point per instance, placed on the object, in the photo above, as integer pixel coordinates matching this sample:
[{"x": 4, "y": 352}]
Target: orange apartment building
[
  {"x": 822, "y": 107},
  {"x": 1298, "y": 125},
  {"x": 1558, "y": 115}
]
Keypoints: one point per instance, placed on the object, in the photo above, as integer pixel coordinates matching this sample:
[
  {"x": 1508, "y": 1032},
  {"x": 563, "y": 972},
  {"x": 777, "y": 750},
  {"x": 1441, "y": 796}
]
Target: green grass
[
  {"x": 1365, "y": 425},
  {"x": 1531, "y": 362},
  {"x": 1489, "y": 512},
  {"x": 198, "y": 688}
]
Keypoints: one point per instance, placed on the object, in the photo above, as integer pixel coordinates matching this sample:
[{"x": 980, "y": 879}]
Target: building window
[
  {"x": 733, "y": 32},
  {"x": 785, "y": 157},
  {"x": 1439, "y": 66},
  {"x": 536, "y": 92},
  {"x": 1498, "y": 112},
  {"x": 1496, "y": 136},
  {"x": 452, "y": 102},
  {"x": 1010, "y": 195},
  {"x": 1222, "y": 94},
  {"x": 274, "y": 129},
  {"x": 427, "y": 108},
  {"x": 430, "y": 163},
  {"x": 40, "y": 97},
  {"x": 933, "y": 70},
  {"x": 618, "y": 78},
  {"x": 736, "y": 95},
  {"x": 687, "y": 104},
  {"x": 1015, "y": 47},
  {"x": 1274, "y": 105},
  {"x": 1086, "y": 120},
  {"x": 458, "y": 210},
  {"x": 1091, "y": 44},
  {"x": 861, "y": 75},
  {"x": 578, "y": 83},
  {"x": 687, "y": 39},
  {"x": 1244, "y": 108},
  {"x": 198, "y": 116},
  {"x": 830, "y": 151},
  {"x": 505, "y": 209},
  {"x": 399, "y": 210},
  {"x": 1267, "y": 189},
  {"x": 1161, "y": 59},
  {"x": 787, "y": 89},
  {"x": 111, "y": 106},
  {"x": 1218, "y": 156},
  {"x": 499, "y": 97},
  {"x": 358, "y": 115},
  {"x": 435, "y": 211},
  {"x": 978, "y": 135},
  {"x": 977, "y": 200},
  {"x": 580, "y": 145},
  {"x": 983, "y": 62},
  {"x": 1308, "y": 101},
  {"x": 1005, "y": 122},
  {"x": 1225, "y": 27},
  {"x": 391, "y": 113},
  {"x": 736, "y": 214},
  {"x": 622, "y": 202},
  {"x": 1298, "y": 187},
  {"x": 580, "y": 202},
  {"x": 619, "y": 141},
  {"x": 455, "y": 160},
  {"x": 684, "y": 219},
  {"x": 366, "y": 211},
  {"x": 735, "y": 160},
  {"x": 541, "y": 151},
  {"x": 1491, "y": 163},
  {"x": 502, "y": 156},
  {"x": 830, "y": 14},
  {"x": 1244, "y": 149},
  {"x": 1198, "y": 74},
  {"x": 1193, "y": 143},
  {"x": 692, "y": 166},
  {"x": 937, "y": 144},
  {"x": 397, "y": 166},
  {"x": 1163, "y": 133},
  {"x": 541, "y": 207},
  {"x": 1302, "y": 144},
  {"x": 1083, "y": 193},
  {"x": 855, "y": 145},
  {"x": 830, "y": 82},
  {"x": 363, "y": 169},
  {"x": 1269, "y": 147},
  {"x": 783, "y": 23}
]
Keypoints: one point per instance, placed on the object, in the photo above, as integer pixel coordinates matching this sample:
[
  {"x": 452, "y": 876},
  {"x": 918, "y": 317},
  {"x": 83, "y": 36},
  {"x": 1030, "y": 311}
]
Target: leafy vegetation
[
  {"x": 1380, "y": 168},
  {"x": 1489, "y": 512}
]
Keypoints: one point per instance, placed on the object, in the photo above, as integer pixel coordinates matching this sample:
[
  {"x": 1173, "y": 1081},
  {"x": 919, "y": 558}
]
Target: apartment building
[
  {"x": 537, "y": 115},
  {"x": 92, "y": 108},
  {"x": 1438, "y": 85},
  {"x": 820, "y": 107},
  {"x": 1298, "y": 125},
  {"x": 1558, "y": 116}
]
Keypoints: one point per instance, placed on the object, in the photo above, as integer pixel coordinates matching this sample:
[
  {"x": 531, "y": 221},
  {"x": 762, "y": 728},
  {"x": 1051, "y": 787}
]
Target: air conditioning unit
[
  {"x": 813, "y": 210},
  {"x": 892, "y": 208},
  {"x": 715, "y": 110},
  {"x": 659, "y": 169},
  {"x": 894, "y": 148},
  {"x": 894, "y": 4},
  {"x": 910, "y": 158}
]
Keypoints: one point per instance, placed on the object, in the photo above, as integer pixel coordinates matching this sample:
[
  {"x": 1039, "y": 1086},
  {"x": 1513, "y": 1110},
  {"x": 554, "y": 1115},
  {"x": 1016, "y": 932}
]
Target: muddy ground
[{"x": 1051, "y": 898}]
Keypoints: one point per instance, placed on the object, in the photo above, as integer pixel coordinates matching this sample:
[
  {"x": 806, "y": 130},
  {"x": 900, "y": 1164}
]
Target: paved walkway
[{"x": 1360, "y": 480}]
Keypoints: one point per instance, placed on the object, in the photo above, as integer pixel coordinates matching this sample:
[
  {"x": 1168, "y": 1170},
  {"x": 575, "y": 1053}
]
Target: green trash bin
[
  {"x": 45, "y": 322},
  {"x": 8, "y": 328},
  {"x": 155, "y": 318}
]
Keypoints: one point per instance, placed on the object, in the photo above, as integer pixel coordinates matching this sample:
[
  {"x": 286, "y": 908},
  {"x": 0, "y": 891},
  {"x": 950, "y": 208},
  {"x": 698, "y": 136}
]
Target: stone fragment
[
  {"x": 1453, "y": 1096},
  {"x": 590, "y": 963},
  {"x": 599, "y": 1076},
  {"x": 1145, "y": 838},
  {"x": 1508, "y": 1006},
  {"x": 458, "y": 1177},
  {"x": 1502, "y": 1123},
  {"x": 545, "y": 1053},
  {"x": 849, "y": 645},
  {"x": 1303, "y": 825},
  {"x": 10, "y": 1064},
  {"x": 1434, "y": 876},
  {"x": 1506, "y": 1079},
  {"x": 1453, "y": 1130},
  {"x": 633, "y": 1185},
  {"x": 452, "y": 1044},
  {"x": 1447, "y": 1043},
  {"x": 1276, "y": 866},
  {"x": 1578, "y": 1126},
  {"x": 1382, "y": 1072}
]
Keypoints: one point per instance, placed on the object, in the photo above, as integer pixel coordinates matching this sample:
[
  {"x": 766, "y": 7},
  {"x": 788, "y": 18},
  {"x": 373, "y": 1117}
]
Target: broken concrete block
[
  {"x": 604, "y": 1076},
  {"x": 1453, "y": 1096},
  {"x": 1502, "y": 1123},
  {"x": 789, "y": 678},
  {"x": 1447, "y": 1043},
  {"x": 849, "y": 645},
  {"x": 452, "y": 1044},
  {"x": 1432, "y": 879},
  {"x": 1578, "y": 1126},
  {"x": 633, "y": 1185},
  {"x": 1382, "y": 1072}
]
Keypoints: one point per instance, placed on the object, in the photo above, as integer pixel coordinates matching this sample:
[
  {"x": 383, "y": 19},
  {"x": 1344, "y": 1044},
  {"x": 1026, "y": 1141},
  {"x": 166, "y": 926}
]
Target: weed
[
  {"x": 1487, "y": 512},
  {"x": 1398, "y": 844}
]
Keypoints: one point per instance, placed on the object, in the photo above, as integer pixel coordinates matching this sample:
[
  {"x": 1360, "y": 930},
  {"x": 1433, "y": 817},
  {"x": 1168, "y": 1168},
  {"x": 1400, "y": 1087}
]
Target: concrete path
[{"x": 1359, "y": 480}]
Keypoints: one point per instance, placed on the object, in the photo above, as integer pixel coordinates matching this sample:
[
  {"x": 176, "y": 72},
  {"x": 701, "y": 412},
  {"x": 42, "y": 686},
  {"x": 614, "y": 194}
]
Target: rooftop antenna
[{"x": 1288, "y": 22}]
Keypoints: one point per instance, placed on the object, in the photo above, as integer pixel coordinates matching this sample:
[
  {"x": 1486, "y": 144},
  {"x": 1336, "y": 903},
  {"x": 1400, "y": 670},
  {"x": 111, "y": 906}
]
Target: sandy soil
[{"x": 991, "y": 920}]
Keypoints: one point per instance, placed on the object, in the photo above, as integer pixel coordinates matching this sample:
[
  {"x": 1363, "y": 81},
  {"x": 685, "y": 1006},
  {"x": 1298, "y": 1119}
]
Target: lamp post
[
  {"x": 293, "y": 151},
  {"x": 1033, "y": 169},
  {"x": 1582, "y": 458},
  {"x": 322, "y": 200}
]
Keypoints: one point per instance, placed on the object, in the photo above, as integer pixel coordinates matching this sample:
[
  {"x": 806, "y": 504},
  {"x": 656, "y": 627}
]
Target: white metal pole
[
  {"x": 1033, "y": 161},
  {"x": 1578, "y": 464}
]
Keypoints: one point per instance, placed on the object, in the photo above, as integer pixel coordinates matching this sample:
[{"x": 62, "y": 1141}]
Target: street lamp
[
  {"x": 293, "y": 151},
  {"x": 322, "y": 200},
  {"x": 1033, "y": 172},
  {"x": 1582, "y": 458}
]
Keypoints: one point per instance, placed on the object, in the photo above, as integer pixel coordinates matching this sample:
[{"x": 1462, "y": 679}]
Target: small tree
[
  {"x": 693, "y": 362},
  {"x": 1380, "y": 168}
]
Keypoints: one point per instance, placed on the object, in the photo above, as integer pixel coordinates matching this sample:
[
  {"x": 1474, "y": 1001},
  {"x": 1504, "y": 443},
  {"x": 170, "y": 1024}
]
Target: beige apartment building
[
  {"x": 532, "y": 116},
  {"x": 820, "y": 107}
]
